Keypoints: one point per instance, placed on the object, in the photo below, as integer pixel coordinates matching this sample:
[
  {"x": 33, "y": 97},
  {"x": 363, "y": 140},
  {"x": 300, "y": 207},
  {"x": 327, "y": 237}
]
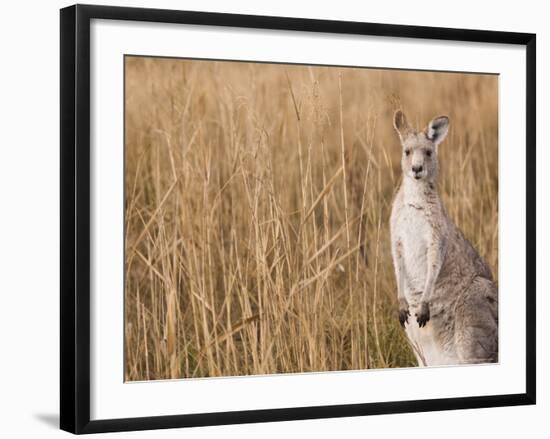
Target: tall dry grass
[{"x": 257, "y": 205}]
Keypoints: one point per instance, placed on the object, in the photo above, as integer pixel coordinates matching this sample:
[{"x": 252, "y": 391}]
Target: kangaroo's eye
[
  {"x": 407, "y": 152},
  {"x": 429, "y": 152}
]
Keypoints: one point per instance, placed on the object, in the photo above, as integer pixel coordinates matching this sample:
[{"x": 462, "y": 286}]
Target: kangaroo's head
[{"x": 419, "y": 158}]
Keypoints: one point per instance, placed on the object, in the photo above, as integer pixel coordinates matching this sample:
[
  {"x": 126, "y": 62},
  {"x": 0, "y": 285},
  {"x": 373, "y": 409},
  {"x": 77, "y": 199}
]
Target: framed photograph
[{"x": 268, "y": 218}]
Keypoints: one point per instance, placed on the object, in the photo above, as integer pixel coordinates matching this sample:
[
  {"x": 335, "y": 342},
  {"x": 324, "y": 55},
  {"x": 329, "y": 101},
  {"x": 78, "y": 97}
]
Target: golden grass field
[{"x": 257, "y": 211}]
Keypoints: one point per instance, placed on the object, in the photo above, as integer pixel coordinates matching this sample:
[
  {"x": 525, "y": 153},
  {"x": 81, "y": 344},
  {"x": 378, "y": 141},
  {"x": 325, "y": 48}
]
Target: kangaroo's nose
[{"x": 417, "y": 168}]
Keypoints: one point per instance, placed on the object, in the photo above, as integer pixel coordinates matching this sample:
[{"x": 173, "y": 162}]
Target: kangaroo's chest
[{"x": 414, "y": 231}]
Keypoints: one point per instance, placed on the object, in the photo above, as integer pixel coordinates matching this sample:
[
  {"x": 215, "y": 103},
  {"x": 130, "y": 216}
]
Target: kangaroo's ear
[
  {"x": 400, "y": 124},
  {"x": 437, "y": 129}
]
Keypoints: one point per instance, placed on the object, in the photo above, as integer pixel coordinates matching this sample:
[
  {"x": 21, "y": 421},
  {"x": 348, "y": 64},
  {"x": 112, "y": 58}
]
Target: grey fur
[{"x": 442, "y": 281}]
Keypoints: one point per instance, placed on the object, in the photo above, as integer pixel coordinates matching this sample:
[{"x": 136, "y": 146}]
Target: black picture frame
[{"x": 75, "y": 217}]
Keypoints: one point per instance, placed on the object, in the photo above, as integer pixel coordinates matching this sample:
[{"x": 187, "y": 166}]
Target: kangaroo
[{"x": 441, "y": 278}]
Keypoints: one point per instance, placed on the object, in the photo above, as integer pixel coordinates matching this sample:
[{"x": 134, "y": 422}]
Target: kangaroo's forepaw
[
  {"x": 423, "y": 315},
  {"x": 403, "y": 312}
]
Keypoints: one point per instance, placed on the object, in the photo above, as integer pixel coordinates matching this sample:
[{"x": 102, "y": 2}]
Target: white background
[{"x": 29, "y": 248}]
